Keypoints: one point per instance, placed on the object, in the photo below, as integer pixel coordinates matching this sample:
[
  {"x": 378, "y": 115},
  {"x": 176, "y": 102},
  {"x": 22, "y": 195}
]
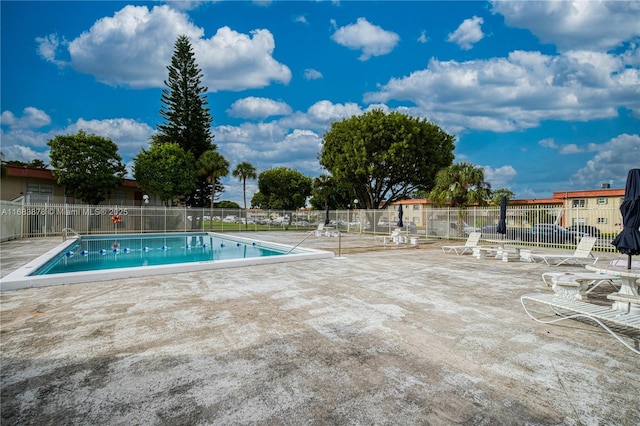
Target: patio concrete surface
[{"x": 385, "y": 335}]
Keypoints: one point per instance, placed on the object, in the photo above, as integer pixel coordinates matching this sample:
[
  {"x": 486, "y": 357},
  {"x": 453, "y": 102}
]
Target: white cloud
[
  {"x": 26, "y": 138},
  {"x": 371, "y": 39},
  {"x": 517, "y": 92},
  {"x": 32, "y": 118},
  {"x": 255, "y": 135},
  {"x": 328, "y": 112},
  {"x": 570, "y": 148},
  {"x": 588, "y": 25},
  {"x": 301, "y": 19},
  {"x": 292, "y": 141},
  {"x": 268, "y": 145},
  {"x": 253, "y": 107},
  {"x": 548, "y": 143},
  {"x": 187, "y": 4},
  {"x": 611, "y": 163},
  {"x": 564, "y": 149},
  {"x": 24, "y": 153},
  {"x": 133, "y": 47},
  {"x": 499, "y": 177},
  {"x": 235, "y": 61},
  {"x": 7, "y": 118},
  {"x": 423, "y": 37},
  {"x": 22, "y": 141},
  {"x": 48, "y": 47},
  {"x": 311, "y": 74},
  {"x": 468, "y": 33},
  {"x": 128, "y": 134}
]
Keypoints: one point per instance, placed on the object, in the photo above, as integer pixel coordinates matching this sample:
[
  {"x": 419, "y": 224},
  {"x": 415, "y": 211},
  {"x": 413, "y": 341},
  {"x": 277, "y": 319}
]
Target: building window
[
  {"x": 119, "y": 196},
  {"x": 579, "y": 202},
  {"x": 579, "y": 221},
  {"x": 39, "y": 191},
  {"x": 602, "y": 200},
  {"x": 416, "y": 207},
  {"x": 602, "y": 221}
]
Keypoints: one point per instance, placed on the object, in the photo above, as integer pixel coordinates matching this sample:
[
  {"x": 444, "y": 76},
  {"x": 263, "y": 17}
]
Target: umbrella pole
[{"x": 629, "y": 262}]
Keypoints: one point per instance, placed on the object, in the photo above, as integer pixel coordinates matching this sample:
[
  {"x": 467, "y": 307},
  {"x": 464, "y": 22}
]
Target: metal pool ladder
[{"x": 65, "y": 231}]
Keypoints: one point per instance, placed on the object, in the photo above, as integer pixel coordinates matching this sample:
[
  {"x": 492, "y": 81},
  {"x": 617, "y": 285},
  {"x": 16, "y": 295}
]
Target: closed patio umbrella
[
  {"x": 628, "y": 241},
  {"x": 400, "y": 214},
  {"x": 326, "y": 216},
  {"x": 502, "y": 223}
]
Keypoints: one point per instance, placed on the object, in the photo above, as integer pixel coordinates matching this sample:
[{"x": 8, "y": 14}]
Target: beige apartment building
[
  {"x": 35, "y": 185},
  {"x": 599, "y": 208}
]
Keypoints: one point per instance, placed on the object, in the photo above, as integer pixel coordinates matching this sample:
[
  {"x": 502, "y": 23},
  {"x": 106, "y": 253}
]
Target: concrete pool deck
[{"x": 402, "y": 335}]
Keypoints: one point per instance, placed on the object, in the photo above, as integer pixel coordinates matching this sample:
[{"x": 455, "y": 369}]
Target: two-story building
[{"x": 599, "y": 208}]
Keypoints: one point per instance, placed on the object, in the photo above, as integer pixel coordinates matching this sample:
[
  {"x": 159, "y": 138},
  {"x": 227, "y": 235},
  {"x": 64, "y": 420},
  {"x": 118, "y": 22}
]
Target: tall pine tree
[{"x": 187, "y": 119}]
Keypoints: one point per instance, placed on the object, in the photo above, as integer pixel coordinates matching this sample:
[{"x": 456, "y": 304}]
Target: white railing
[{"x": 21, "y": 220}]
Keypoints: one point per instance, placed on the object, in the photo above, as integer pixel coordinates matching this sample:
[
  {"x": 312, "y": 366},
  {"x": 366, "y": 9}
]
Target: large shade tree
[
  {"x": 385, "y": 157},
  {"x": 330, "y": 193},
  {"x": 87, "y": 165},
  {"x": 282, "y": 188},
  {"x": 165, "y": 170}
]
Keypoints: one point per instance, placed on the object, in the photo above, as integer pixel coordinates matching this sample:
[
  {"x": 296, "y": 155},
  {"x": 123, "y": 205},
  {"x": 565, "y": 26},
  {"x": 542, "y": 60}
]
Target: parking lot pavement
[{"x": 386, "y": 336}]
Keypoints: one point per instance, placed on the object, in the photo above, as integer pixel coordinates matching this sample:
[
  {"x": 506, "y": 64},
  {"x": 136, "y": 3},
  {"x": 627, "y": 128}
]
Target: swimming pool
[{"x": 108, "y": 257}]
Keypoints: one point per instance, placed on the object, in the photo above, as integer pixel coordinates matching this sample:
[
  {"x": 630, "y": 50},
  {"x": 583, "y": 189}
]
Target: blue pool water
[
  {"x": 92, "y": 253},
  {"x": 91, "y": 259}
]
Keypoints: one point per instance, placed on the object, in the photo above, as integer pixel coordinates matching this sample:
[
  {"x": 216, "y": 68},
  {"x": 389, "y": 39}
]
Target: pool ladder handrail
[
  {"x": 65, "y": 232},
  {"x": 294, "y": 247}
]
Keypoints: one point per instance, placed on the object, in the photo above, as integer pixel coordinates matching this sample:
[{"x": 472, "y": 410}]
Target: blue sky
[{"x": 545, "y": 96}]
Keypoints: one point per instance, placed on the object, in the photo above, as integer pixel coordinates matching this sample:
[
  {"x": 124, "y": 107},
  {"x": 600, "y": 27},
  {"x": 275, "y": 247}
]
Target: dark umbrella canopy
[
  {"x": 502, "y": 223},
  {"x": 628, "y": 241},
  {"x": 400, "y": 214},
  {"x": 326, "y": 216}
]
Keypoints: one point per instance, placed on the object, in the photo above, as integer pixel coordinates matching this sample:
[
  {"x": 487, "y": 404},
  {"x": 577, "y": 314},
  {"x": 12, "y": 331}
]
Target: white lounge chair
[
  {"x": 624, "y": 262},
  {"x": 327, "y": 231},
  {"x": 592, "y": 279},
  {"x": 587, "y": 281},
  {"x": 567, "y": 308},
  {"x": 581, "y": 255},
  {"x": 578, "y": 285},
  {"x": 395, "y": 237},
  {"x": 320, "y": 230},
  {"x": 472, "y": 242}
]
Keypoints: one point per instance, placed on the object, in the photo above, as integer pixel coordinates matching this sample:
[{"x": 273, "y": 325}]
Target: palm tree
[
  {"x": 244, "y": 171},
  {"x": 212, "y": 165},
  {"x": 460, "y": 185}
]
